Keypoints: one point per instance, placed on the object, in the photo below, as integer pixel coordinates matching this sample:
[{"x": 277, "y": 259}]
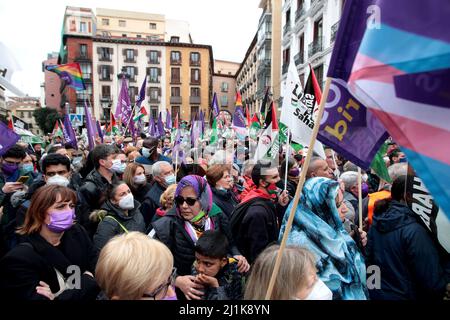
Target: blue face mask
[
  {"x": 27, "y": 167},
  {"x": 170, "y": 179},
  {"x": 401, "y": 160}
]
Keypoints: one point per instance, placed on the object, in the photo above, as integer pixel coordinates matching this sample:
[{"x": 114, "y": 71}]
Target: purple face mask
[
  {"x": 364, "y": 189},
  {"x": 9, "y": 169},
  {"x": 60, "y": 221},
  {"x": 294, "y": 172}
]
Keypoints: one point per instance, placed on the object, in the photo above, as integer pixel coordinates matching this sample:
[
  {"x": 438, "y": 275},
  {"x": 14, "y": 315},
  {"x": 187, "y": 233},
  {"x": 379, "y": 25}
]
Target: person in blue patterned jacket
[{"x": 318, "y": 227}]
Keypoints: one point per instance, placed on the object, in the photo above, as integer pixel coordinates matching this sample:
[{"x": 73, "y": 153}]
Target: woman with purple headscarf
[{"x": 193, "y": 213}]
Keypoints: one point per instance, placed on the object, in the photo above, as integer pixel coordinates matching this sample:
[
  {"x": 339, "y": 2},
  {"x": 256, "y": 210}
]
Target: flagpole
[
  {"x": 286, "y": 158},
  {"x": 299, "y": 189},
  {"x": 360, "y": 197}
]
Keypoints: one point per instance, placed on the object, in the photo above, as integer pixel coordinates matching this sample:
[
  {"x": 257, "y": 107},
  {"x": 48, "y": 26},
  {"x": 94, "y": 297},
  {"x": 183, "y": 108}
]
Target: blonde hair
[
  {"x": 132, "y": 264},
  {"x": 168, "y": 196},
  {"x": 296, "y": 262}
]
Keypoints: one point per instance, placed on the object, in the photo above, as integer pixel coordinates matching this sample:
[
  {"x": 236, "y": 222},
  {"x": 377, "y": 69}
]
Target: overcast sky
[{"x": 31, "y": 29}]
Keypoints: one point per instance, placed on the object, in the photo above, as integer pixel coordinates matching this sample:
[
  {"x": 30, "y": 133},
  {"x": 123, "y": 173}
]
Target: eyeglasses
[
  {"x": 161, "y": 291},
  {"x": 179, "y": 200}
]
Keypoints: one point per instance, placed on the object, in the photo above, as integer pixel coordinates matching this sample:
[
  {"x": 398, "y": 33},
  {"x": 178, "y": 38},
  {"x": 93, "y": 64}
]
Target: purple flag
[
  {"x": 142, "y": 92},
  {"x": 124, "y": 111},
  {"x": 8, "y": 138},
  {"x": 215, "y": 106},
  {"x": 99, "y": 131},
  {"x": 161, "y": 131},
  {"x": 239, "y": 123},
  {"x": 168, "y": 120},
  {"x": 69, "y": 134},
  {"x": 349, "y": 128},
  {"x": 177, "y": 150},
  {"x": 89, "y": 126}
]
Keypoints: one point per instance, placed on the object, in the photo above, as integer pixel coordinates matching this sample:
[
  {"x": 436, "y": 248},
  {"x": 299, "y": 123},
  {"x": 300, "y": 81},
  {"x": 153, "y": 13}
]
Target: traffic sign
[{"x": 76, "y": 119}]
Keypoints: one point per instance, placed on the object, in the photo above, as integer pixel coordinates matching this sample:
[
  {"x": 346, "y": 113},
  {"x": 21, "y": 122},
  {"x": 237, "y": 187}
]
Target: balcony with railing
[
  {"x": 299, "y": 58},
  {"x": 154, "y": 99},
  {"x": 105, "y": 57},
  {"x": 175, "y": 80},
  {"x": 82, "y": 56},
  {"x": 315, "y": 46},
  {"x": 194, "y": 62},
  {"x": 300, "y": 13},
  {"x": 287, "y": 28},
  {"x": 87, "y": 76},
  {"x": 334, "y": 29},
  {"x": 106, "y": 98},
  {"x": 194, "y": 100},
  {"x": 175, "y": 100}
]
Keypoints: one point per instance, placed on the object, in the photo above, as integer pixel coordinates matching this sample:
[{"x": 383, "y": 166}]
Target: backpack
[{"x": 239, "y": 212}]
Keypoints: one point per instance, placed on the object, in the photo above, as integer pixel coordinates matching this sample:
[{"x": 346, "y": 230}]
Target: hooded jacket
[
  {"x": 112, "y": 225},
  {"x": 406, "y": 255}
]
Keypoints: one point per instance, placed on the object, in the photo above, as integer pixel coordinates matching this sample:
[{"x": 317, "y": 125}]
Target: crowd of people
[{"x": 128, "y": 220}]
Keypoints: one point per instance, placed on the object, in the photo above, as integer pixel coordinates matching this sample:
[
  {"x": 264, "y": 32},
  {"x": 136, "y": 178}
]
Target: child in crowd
[
  {"x": 166, "y": 201},
  {"x": 214, "y": 270}
]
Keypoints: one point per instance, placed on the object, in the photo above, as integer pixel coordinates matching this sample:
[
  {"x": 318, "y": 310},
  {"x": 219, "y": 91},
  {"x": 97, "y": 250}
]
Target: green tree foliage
[{"x": 46, "y": 118}]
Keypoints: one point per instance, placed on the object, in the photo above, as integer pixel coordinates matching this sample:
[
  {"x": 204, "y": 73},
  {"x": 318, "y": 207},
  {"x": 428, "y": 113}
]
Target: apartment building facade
[{"x": 224, "y": 83}]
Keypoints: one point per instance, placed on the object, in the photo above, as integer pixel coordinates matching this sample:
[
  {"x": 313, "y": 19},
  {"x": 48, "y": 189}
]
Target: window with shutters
[
  {"x": 83, "y": 28},
  {"x": 122, "y": 23},
  {"x": 106, "y": 92},
  {"x": 175, "y": 57},
  {"x": 154, "y": 111},
  {"x": 224, "y": 86},
  {"x": 195, "y": 76},
  {"x": 154, "y": 95},
  {"x": 105, "y": 54},
  {"x": 105, "y": 22},
  {"x": 105, "y": 74},
  {"x": 195, "y": 92},
  {"x": 175, "y": 92},
  {"x": 133, "y": 92},
  {"x": 130, "y": 55},
  {"x": 224, "y": 101},
  {"x": 83, "y": 50},
  {"x": 195, "y": 59},
  {"x": 153, "y": 74},
  {"x": 152, "y": 26},
  {"x": 132, "y": 72},
  {"x": 175, "y": 75},
  {"x": 153, "y": 57}
]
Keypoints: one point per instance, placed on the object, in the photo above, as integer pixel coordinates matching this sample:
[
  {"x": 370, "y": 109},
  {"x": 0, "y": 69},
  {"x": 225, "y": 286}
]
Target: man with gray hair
[
  {"x": 350, "y": 181},
  {"x": 163, "y": 176}
]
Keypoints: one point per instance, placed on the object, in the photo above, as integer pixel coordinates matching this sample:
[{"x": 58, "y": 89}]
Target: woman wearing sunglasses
[
  {"x": 133, "y": 266},
  {"x": 194, "y": 213}
]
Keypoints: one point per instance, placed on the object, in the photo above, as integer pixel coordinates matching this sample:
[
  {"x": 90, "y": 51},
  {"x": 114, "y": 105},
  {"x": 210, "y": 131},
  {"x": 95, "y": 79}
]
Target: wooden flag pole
[
  {"x": 286, "y": 158},
  {"x": 299, "y": 189},
  {"x": 360, "y": 198}
]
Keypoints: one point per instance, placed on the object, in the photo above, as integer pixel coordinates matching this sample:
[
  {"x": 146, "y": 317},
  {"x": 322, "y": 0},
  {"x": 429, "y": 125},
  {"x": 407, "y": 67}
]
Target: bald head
[{"x": 319, "y": 168}]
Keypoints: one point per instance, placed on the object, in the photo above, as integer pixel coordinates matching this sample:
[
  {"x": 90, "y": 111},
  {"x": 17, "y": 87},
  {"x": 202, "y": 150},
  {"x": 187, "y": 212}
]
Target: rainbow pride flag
[
  {"x": 70, "y": 73},
  {"x": 395, "y": 57}
]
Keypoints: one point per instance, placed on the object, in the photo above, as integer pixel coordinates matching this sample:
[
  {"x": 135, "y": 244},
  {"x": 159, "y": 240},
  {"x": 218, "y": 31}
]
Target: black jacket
[
  {"x": 91, "y": 196},
  {"x": 108, "y": 227},
  {"x": 291, "y": 186},
  {"x": 170, "y": 230},
  {"x": 258, "y": 228},
  {"x": 36, "y": 260},
  {"x": 406, "y": 255},
  {"x": 225, "y": 200},
  {"x": 151, "y": 202},
  {"x": 140, "y": 193}
]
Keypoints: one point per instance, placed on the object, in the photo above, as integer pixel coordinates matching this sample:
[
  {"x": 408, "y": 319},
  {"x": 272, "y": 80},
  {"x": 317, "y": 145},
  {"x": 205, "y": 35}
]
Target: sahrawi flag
[
  {"x": 141, "y": 109},
  {"x": 268, "y": 144},
  {"x": 297, "y": 112}
]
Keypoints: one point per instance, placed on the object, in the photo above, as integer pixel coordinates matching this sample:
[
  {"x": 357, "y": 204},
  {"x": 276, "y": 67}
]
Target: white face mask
[
  {"x": 140, "y": 179},
  {"x": 127, "y": 202},
  {"x": 320, "y": 291},
  {"x": 58, "y": 181},
  {"x": 365, "y": 177},
  {"x": 118, "y": 166}
]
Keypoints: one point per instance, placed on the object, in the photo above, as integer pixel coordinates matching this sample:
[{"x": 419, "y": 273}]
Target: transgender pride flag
[{"x": 395, "y": 57}]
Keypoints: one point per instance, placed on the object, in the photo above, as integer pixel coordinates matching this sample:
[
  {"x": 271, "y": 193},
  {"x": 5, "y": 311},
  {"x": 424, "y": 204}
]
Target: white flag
[{"x": 295, "y": 114}]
